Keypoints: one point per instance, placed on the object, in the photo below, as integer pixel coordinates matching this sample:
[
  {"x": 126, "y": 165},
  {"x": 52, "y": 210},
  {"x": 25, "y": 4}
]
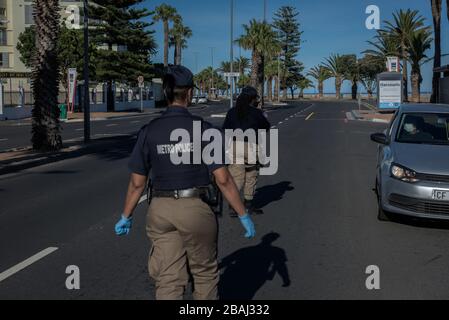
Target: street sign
[
  {"x": 389, "y": 90},
  {"x": 232, "y": 74},
  {"x": 393, "y": 64},
  {"x": 141, "y": 80},
  {"x": 72, "y": 75}
]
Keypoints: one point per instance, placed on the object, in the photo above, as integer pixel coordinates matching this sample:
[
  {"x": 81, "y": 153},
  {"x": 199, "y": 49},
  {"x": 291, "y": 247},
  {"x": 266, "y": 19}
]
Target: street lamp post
[
  {"x": 86, "y": 75},
  {"x": 212, "y": 84},
  {"x": 279, "y": 78},
  {"x": 231, "y": 105}
]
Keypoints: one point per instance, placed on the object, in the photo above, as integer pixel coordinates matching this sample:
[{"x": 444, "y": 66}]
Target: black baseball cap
[
  {"x": 183, "y": 77},
  {"x": 250, "y": 91}
]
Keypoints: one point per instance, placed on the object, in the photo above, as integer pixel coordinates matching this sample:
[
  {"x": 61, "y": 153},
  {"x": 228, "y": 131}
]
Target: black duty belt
[{"x": 178, "y": 194}]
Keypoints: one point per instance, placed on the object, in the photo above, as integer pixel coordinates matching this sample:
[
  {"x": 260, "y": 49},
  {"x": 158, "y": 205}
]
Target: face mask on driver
[{"x": 409, "y": 127}]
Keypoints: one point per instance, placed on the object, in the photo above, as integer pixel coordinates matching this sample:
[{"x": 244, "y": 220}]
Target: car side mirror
[{"x": 379, "y": 138}]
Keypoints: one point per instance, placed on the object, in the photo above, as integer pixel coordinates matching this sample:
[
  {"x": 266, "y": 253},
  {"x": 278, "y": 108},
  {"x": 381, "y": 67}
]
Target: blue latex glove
[
  {"x": 123, "y": 227},
  {"x": 248, "y": 225}
]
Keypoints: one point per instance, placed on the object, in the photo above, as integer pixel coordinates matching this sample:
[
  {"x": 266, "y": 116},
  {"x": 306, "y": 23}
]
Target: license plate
[{"x": 440, "y": 195}]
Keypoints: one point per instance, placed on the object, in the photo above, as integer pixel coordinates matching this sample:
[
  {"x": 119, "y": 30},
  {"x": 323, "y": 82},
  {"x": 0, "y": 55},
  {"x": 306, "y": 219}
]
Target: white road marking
[
  {"x": 218, "y": 115},
  {"x": 112, "y": 135},
  {"x": 280, "y": 122},
  {"x": 26, "y": 263},
  {"x": 112, "y": 125},
  {"x": 3, "y": 139},
  {"x": 310, "y": 116},
  {"x": 79, "y": 129}
]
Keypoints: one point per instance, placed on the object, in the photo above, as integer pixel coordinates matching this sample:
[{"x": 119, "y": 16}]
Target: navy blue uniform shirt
[
  {"x": 255, "y": 120},
  {"x": 153, "y": 148}
]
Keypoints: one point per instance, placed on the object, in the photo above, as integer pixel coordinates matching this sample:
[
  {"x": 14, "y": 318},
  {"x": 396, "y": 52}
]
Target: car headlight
[{"x": 403, "y": 174}]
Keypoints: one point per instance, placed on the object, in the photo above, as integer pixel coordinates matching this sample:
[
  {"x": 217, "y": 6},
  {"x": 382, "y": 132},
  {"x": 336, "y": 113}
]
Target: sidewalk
[
  {"x": 98, "y": 116},
  {"x": 17, "y": 160},
  {"x": 370, "y": 115}
]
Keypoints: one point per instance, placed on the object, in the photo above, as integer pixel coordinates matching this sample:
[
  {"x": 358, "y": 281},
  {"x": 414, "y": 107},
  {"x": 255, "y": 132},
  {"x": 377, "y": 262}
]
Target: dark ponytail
[
  {"x": 242, "y": 106},
  {"x": 168, "y": 85}
]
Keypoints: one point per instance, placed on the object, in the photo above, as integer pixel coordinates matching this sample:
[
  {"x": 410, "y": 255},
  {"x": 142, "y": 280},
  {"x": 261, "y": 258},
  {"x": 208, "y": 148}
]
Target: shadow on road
[
  {"x": 60, "y": 172},
  {"x": 247, "y": 270},
  {"x": 268, "y": 194}
]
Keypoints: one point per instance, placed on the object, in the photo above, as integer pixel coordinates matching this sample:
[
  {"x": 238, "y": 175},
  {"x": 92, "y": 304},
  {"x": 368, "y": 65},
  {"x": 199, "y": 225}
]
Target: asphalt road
[
  {"x": 17, "y": 133},
  {"x": 320, "y": 203}
]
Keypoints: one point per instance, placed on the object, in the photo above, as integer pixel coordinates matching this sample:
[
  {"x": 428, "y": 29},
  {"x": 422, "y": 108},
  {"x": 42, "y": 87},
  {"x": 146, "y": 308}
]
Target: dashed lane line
[
  {"x": 26, "y": 263},
  {"x": 310, "y": 116}
]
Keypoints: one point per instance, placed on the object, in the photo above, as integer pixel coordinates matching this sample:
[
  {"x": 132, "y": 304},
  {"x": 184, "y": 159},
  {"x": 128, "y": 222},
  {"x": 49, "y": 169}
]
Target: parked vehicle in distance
[
  {"x": 195, "y": 100},
  {"x": 202, "y": 99},
  {"x": 413, "y": 163}
]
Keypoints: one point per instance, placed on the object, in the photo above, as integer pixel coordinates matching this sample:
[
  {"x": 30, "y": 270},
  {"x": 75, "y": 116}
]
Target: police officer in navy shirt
[
  {"x": 181, "y": 227},
  {"x": 246, "y": 116}
]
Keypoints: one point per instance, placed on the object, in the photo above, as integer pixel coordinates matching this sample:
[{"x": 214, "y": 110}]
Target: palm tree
[
  {"x": 352, "y": 73},
  {"x": 436, "y": 14},
  {"x": 165, "y": 13},
  {"x": 271, "y": 72},
  {"x": 261, "y": 39},
  {"x": 385, "y": 45},
  {"x": 320, "y": 74},
  {"x": 304, "y": 84},
  {"x": 336, "y": 66},
  {"x": 243, "y": 64},
  {"x": 421, "y": 41},
  {"x": 404, "y": 25},
  {"x": 45, "y": 78},
  {"x": 178, "y": 38}
]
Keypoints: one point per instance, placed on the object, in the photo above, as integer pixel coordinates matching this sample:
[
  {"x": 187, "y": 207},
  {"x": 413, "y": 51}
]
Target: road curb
[{"x": 73, "y": 151}]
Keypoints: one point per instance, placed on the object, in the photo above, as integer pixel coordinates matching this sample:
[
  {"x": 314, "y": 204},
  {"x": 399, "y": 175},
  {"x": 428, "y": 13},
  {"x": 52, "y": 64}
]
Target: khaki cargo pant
[
  {"x": 245, "y": 175},
  {"x": 184, "y": 237}
]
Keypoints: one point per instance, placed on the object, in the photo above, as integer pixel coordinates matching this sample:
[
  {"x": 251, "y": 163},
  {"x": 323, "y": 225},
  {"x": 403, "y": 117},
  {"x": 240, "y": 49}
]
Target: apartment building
[{"x": 15, "y": 16}]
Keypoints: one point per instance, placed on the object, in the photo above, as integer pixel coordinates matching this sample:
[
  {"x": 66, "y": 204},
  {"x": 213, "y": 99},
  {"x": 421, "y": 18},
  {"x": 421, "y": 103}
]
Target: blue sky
[{"x": 330, "y": 26}]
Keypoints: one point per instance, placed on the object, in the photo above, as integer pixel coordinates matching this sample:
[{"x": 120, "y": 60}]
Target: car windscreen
[{"x": 424, "y": 128}]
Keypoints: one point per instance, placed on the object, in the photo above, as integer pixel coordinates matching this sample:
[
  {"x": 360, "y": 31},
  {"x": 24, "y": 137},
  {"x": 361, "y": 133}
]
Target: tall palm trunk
[
  {"x": 166, "y": 32},
  {"x": 416, "y": 76},
  {"x": 175, "y": 58},
  {"x": 354, "y": 90},
  {"x": 180, "y": 55},
  {"x": 338, "y": 82},
  {"x": 261, "y": 78},
  {"x": 320, "y": 89},
  {"x": 284, "y": 88},
  {"x": 276, "y": 88},
  {"x": 178, "y": 51},
  {"x": 405, "y": 71},
  {"x": 270, "y": 88},
  {"x": 45, "y": 123},
  {"x": 110, "y": 101},
  {"x": 436, "y": 13},
  {"x": 254, "y": 68}
]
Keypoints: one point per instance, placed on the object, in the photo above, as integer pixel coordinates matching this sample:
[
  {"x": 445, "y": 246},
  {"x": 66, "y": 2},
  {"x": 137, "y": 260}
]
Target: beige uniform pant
[
  {"x": 184, "y": 236},
  {"x": 245, "y": 175}
]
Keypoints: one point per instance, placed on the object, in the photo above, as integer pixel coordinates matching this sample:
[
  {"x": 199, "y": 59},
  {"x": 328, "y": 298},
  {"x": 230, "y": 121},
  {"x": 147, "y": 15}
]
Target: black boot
[{"x": 249, "y": 205}]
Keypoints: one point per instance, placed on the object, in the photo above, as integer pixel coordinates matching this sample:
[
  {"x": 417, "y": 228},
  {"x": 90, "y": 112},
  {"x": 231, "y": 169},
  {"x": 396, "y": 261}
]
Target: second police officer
[
  {"x": 246, "y": 115},
  {"x": 180, "y": 225}
]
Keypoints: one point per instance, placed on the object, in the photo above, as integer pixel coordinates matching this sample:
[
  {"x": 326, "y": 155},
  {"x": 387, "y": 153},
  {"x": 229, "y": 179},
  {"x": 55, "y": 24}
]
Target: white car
[{"x": 202, "y": 100}]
